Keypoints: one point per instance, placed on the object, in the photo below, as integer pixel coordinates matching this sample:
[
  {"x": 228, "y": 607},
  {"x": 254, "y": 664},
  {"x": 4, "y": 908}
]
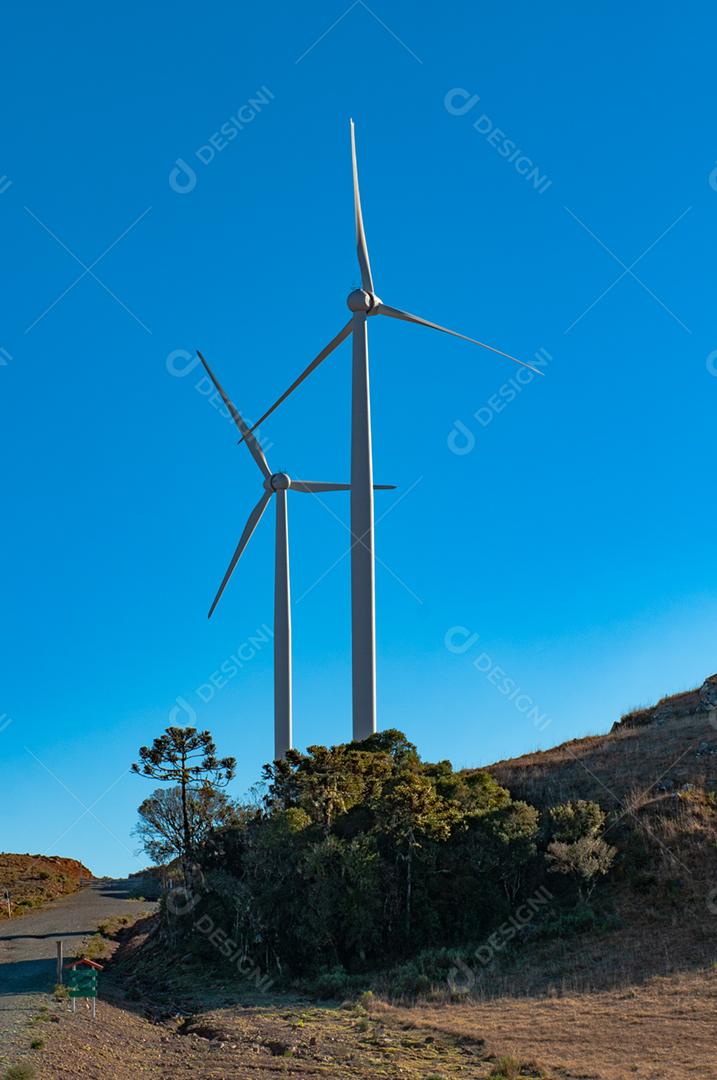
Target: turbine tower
[
  {"x": 275, "y": 484},
  {"x": 364, "y": 303}
]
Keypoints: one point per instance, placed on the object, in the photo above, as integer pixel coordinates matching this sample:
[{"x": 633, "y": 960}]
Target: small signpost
[{"x": 82, "y": 982}]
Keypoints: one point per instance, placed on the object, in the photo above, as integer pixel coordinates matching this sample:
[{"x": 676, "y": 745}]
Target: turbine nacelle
[
  {"x": 361, "y": 301},
  {"x": 278, "y": 482}
]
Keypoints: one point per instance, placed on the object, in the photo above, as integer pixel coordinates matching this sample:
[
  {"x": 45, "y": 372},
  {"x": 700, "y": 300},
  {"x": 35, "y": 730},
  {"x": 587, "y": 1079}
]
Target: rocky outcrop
[
  {"x": 708, "y": 694},
  {"x": 688, "y": 703}
]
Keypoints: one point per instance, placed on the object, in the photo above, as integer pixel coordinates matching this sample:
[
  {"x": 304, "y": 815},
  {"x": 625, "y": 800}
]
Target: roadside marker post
[{"x": 59, "y": 963}]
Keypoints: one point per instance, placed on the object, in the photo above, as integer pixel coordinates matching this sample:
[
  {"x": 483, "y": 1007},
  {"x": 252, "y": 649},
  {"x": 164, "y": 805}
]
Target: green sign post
[{"x": 82, "y": 983}]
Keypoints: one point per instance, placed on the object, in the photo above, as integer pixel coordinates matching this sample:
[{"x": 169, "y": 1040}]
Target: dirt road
[{"x": 28, "y": 949}]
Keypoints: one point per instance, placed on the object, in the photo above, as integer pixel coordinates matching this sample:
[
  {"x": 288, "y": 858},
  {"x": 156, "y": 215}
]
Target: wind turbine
[
  {"x": 364, "y": 303},
  {"x": 275, "y": 484}
]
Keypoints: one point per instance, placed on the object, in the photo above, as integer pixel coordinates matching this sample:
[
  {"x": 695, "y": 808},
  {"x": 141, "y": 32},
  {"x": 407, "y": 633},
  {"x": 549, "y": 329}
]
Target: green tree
[
  {"x": 187, "y": 758},
  {"x": 577, "y": 848},
  {"x": 410, "y": 812},
  {"x": 576, "y": 819},
  {"x": 584, "y": 860},
  {"x": 360, "y": 854}
]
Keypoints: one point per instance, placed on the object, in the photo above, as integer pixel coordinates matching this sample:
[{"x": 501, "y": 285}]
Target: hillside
[
  {"x": 655, "y": 773},
  {"x": 617, "y": 981},
  {"x": 649, "y": 754},
  {"x": 32, "y": 880}
]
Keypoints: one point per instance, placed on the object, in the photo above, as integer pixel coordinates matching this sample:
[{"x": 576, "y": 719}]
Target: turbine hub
[
  {"x": 360, "y": 300},
  {"x": 280, "y": 482}
]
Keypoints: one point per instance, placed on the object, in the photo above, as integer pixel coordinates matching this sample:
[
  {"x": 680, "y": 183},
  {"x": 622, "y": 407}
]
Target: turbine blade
[
  {"x": 361, "y": 246},
  {"x": 396, "y": 313},
  {"x": 251, "y": 524},
  {"x": 318, "y": 485},
  {"x": 341, "y": 336},
  {"x": 256, "y": 450}
]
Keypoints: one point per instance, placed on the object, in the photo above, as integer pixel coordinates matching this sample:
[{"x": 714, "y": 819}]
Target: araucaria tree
[{"x": 187, "y": 758}]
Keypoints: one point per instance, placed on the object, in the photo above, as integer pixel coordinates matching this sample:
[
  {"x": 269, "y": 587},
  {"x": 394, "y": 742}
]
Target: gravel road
[{"x": 28, "y": 948}]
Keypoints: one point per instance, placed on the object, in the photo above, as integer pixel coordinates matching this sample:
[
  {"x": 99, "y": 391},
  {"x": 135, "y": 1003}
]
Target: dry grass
[
  {"x": 32, "y": 880},
  {"x": 609, "y": 768},
  {"x": 664, "y": 1030}
]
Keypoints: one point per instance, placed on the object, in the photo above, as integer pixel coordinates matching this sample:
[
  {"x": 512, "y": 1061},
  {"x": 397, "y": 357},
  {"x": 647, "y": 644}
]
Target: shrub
[
  {"x": 575, "y": 820},
  {"x": 20, "y": 1072},
  {"x": 507, "y": 1068},
  {"x": 332, "y": 984},
  {"x": 584, "y": 861},
  {"x": 578, "y": 920},
  {"x": 97, "y": 948}
]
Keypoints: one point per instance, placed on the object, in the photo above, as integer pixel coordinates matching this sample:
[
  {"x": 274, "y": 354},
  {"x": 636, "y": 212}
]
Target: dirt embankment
[{"x": 31, "y": 880}]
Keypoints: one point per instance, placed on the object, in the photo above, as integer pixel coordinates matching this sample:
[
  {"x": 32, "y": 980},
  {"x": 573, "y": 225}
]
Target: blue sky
[{"x": 538, "y": 177}]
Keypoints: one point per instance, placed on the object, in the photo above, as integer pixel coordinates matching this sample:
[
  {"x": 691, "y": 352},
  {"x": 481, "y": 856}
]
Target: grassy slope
[
  {"x": 614, "y": 767},
  {"x": 656, "y": 775}
]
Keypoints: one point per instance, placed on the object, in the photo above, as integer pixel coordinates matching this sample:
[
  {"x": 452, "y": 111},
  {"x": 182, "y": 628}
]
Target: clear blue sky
[{"x": 576, "y": 535}]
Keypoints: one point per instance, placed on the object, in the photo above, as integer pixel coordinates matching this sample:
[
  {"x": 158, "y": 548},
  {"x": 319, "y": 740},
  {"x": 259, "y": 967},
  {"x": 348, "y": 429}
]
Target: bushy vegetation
[
  {"x": 362, "y": 856},
  {"x": 577, "y": 849},
  {"x": 19, "y": 1072}
]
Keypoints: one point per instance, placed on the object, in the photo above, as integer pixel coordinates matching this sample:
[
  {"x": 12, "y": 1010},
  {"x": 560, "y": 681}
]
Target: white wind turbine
[
  {"x": 363, "y": 303},
  {"x": 275, "y": 484}
]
